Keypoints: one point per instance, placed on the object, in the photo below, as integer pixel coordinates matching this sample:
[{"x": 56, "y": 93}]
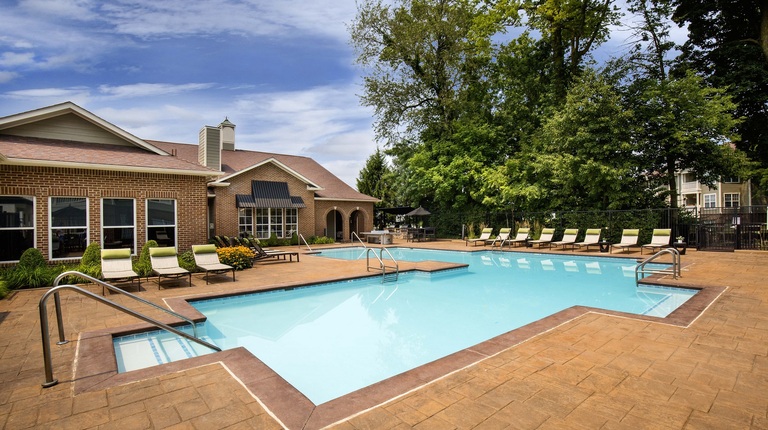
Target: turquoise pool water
[{"x": 332, "y": 339}]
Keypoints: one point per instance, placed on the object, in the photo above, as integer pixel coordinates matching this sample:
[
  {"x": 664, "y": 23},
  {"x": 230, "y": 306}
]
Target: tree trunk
[{"x": 764, "y": 30}]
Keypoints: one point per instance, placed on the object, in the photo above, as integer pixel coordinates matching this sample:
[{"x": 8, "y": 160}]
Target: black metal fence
[{"x": 708, "y": 229}]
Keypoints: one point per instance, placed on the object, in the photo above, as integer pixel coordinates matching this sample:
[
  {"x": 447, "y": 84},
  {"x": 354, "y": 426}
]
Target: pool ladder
[
  {"x": 675, "y": 270},
  {"x": 388, "y": 273},
  {"x": 49, "y": 379}
]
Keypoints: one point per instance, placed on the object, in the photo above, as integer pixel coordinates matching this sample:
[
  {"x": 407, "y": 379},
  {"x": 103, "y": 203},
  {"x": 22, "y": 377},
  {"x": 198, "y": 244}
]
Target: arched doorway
[
  {"x": 356, "y": 222},
  {"x": 334, "y": 226}
]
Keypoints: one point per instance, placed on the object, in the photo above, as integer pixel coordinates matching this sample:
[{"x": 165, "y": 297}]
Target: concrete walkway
[{"x": 593, "y": 370}]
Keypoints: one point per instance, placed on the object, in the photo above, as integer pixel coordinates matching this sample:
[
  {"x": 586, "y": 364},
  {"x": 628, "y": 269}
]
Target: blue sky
[{"x": 282, "y": 71}]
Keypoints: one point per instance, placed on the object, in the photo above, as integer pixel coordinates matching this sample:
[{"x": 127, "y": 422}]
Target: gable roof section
[
  {"x": 310, "y": 185},
  {"x": 68, "y": 136},
  {"x": 76, "y": 121},
  {"x": 330, "y": 187}
]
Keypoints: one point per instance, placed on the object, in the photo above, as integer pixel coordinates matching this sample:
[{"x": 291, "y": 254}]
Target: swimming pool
[{"x": 332, "y": 339}]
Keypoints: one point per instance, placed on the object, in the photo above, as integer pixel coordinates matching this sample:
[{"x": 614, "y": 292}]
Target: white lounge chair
[
  {"x": 165, "y": 264},
  {"x": 545, "y": 238},
  {"x": 484, "y": 235},
  {"x": 591, "y": 238},
  {"x": 207, "y": 260},
  {"x": 569, "y": 238},
  {"x": 521, "y": 237},
  {"x": 629, "y": 238},
  {"x": 116, "y": 265},
  {"x": 502, "y": 237},
  {"x": 660, "y": 239}
]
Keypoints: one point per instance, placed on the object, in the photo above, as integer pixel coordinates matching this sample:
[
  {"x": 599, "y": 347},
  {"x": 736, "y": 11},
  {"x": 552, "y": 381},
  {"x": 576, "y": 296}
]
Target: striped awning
[{"x": 269, "y": 194}]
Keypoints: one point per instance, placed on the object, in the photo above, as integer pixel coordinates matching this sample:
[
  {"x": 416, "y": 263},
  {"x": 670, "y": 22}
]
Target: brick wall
[
  {"x": 44, "y": 182},
  {"x": 311, "y": 219}
]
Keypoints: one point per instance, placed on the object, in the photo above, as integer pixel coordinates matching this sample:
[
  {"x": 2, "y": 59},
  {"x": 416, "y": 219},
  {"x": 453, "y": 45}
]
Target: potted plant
[{"x": 680, "y": 245}]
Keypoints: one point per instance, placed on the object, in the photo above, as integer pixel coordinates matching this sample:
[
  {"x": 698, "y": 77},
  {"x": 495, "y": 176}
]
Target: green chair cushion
[
  {"x": 162, "y": 251},
  {"x": 204, "y": 249},
  {"x": 107, "y": 254}
]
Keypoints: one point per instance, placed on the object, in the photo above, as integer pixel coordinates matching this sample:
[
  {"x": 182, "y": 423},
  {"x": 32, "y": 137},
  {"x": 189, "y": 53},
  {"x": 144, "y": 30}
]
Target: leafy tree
[
  {"x": 682, "y": 124},
  {"x": 571, "y": 29},
  {"x": 374, "y": 178},
  {"x": 728, "y": 44}
]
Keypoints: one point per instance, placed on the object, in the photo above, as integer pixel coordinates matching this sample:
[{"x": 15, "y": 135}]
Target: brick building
[{"x": 69, "y": 178}]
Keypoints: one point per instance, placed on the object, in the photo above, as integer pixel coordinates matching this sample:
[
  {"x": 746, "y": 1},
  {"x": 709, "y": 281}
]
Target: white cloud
[
  {"x": 14, "y": 59},
  {"x": 7, "y": 76},
  {"x": 80, "y": 10},
  {"x": 150, "y": 90}
]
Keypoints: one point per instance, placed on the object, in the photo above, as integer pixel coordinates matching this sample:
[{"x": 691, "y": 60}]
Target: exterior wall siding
[{"x": 44, "y": 182}]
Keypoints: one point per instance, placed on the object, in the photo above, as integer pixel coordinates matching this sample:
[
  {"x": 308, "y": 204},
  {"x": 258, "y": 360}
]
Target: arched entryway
[
  {"x": 334, "y": 225},
  {"x": 356, "y": 222}
]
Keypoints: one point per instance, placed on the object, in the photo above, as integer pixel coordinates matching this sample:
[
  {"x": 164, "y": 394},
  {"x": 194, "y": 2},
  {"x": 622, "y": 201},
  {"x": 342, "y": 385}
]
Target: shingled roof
[{"x": 234, "y": 162}]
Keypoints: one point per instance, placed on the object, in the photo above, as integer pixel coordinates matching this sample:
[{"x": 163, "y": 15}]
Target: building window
[
  {"x": 245, "y": 221},
  {"x": 731, "y": 200},
  {"x": 17, "y": 226},
  {"x": 731, "y": 180},
  {"x": 161, "y": 221},
  {"x": 69, "y": 227},
  {"x": 710, "y": 200},
  {"x": 276, "y": 222},
  {"x": 269, "y": 221},
  {"x": 291, "y": 222},
  {"x": 118, "y": 224}
]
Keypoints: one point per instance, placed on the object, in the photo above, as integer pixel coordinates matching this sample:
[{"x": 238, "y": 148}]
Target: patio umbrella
[{"x": 419, "y": 211}]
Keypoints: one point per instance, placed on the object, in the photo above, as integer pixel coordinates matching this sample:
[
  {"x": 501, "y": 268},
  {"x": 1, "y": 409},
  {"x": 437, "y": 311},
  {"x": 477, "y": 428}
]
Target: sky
[{"x": 282, "y": 72}]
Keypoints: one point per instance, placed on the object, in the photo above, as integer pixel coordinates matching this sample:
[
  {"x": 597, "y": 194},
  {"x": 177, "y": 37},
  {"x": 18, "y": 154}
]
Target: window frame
[
  {"x": 165, "y": 227},
  {"x": 707, "y": 204},
  {"x": 32, "y": 227},
  {"x": 53, "y": 228},
  {"x": 245, "y": 221},
  {"x": 125, "y": 226},
  {"x": 728, "y": 203}
]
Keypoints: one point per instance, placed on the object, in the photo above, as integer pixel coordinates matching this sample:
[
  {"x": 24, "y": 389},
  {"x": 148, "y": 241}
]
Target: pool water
[{"x": 335, "y": 338}]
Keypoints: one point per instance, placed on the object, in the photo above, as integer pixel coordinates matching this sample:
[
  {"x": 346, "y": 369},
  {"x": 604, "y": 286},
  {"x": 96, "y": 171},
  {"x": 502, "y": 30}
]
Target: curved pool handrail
[
  {"x": 49, "y": 379},
  {"x": 114, "y": 289}
]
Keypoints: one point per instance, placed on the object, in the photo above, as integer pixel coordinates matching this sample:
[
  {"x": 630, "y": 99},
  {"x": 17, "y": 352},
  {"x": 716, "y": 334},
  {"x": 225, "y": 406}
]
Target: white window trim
[
  {"x": 34, "y": 222},
  {"x": 738, "y": 199},
  {"x": 101, "y": 236},
  {"x": 704, "y": 200},
  {"x": 51, "y": 228},
  {"x": 148, "y": 226}
]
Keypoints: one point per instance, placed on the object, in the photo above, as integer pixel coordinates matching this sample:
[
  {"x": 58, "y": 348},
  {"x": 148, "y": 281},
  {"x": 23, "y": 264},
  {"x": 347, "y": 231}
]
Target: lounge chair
[
  {"x": 521, "y": 237},
  {"x": 629, "y": 238},
  {"x": 545, "y": 238},
  {"x": 261, "y": 253},
  {"x": 591, "y": 238},
  {"x": 165, "y": 264},
  {"x": 207, "y": 260},
  {"x": 661, "y": 238},
  {"x": 116, "y": 265},
  {"x": 503, "y": 236},
  {"x": 484, "y": 236},
  {"x": 569, "y": 238}
]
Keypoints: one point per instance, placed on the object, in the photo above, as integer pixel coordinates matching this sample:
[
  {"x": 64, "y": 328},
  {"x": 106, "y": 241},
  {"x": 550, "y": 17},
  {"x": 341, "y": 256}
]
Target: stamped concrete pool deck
[{"x": 703, "y": 367}]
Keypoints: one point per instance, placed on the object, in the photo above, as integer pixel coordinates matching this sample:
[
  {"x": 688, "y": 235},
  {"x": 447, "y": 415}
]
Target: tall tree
[
  {"x": 571, "y": 29},
  {"x": 728, "y": 44},
  {"x": 374, "y": 178},
  {"x": 682, "y": 123}
]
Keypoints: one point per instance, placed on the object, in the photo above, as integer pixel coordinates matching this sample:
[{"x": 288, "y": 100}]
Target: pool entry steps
[
  {"x": 640, "y": 269},
  {"x": 49, "y": 379}
]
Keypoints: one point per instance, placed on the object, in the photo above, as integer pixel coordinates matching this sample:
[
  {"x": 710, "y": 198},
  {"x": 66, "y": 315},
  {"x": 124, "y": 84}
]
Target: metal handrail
[
  {"x": 305, "y": 242},
  {"x": 49, "y": 379},
  {"x": 365, "y": 247},
  {"x": 383, "y": 267},
  {"x": 640, "y": 268},
  {"x": 114, "y": 289}
]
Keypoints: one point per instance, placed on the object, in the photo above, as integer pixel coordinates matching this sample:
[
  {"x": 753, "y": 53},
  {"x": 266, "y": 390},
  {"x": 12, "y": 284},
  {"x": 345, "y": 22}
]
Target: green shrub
[
  {"x": 3, "y": 289},
  {"x": 32, "y": 258},
  {"x": 320, "y": 240},
  {"x": 143, "y": 267},
  {"x": 272, "y": 241},
  {"x": 187, "y": 261},
  {"x": 238, "y": 257},
  {"x": 90, "y": 264}
]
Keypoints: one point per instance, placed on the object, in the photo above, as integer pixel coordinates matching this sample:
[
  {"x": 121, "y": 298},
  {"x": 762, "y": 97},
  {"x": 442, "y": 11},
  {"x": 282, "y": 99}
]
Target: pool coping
[{"x": 96, "y": 366}]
